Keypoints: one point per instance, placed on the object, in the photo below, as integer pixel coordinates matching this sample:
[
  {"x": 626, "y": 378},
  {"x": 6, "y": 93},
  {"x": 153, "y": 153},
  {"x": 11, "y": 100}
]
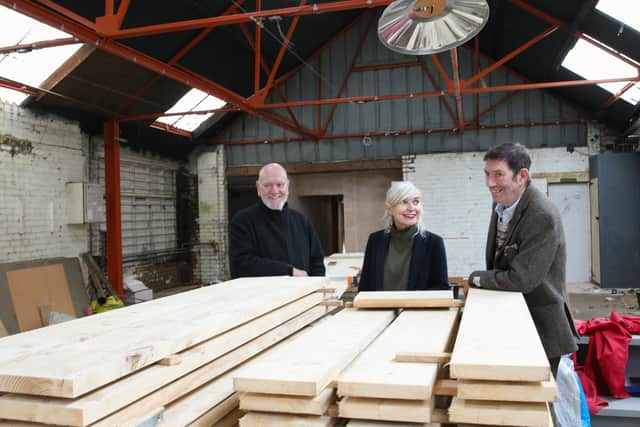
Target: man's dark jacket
[
  {"x": 428, "y": 269},
  {"x": 533, "y": 261},
  {"x": 266, "y": 242}
]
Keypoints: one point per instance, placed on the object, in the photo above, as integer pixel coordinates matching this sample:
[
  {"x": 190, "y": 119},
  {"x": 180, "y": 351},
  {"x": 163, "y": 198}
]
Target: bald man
[{"x": 271, "y": 239}]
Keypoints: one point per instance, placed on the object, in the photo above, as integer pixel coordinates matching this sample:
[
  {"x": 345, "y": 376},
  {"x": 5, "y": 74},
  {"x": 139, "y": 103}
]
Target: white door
[{"x": 573, "y": 202}]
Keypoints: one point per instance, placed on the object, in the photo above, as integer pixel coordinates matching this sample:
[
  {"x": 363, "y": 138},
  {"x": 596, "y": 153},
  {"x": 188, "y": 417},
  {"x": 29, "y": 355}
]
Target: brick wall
[
  {"x": 457, "y": 205},
  {"x": 38, "y": 155},
  {"x": 212, "y": 217}
]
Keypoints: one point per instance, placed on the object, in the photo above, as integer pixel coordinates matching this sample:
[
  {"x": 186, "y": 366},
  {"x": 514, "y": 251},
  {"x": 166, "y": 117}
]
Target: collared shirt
[{"x": 505, "y": 214}]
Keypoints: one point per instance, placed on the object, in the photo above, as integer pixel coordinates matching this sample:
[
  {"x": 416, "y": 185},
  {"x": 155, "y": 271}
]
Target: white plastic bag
[{"x": 568, "y": 405}]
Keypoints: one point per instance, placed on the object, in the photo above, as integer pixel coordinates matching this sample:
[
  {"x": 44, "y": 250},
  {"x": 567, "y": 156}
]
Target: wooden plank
[
  {"x": 3, "y": 330},
  {"x": 498, "y": 340},
  {"x": 170, "y": 360},
  {"x": 369, "y": 423},
  {"x": 257, "y": 419},
  {"x": 525, "y": 414},
  {"x": 70, "y": 370},
  {"x": 446, "y": 387},
  {"x": 231, "y": 420},
  {"x": 36, "y": 287},
  {"x": 203, "y": 375},
  {"x": 376, "y": 374},
  {"x": 508, "y": 391},
  {"x": 316, "y": 405},
  {"x": 307, "y": 364},
  {"x": 217, "y": 413},
  {"x": 100, "y": 403},
  {"x": 413, "y": 411},
  {"x": 417, "y": 357},
  {"x": 406, "y": 299}
]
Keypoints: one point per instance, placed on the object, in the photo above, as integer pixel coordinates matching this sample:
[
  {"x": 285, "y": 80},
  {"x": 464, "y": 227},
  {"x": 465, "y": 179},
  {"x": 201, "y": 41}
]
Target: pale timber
[
  {"x": 497, "y": 340},
  {"x": 189, "y": 409},
  {"x": 231, "y": 420},
  {"x": 508, "y": 391},
  {"x": 102, "y": 402},
  {"x": 217, "y": 413},
  {"x": 257, "y": 419},
  {"x": 524, "y": 414},
  {"x": 369, "y": 423},
  {"x": 414, "y": 411},
  {"x": 72, "y": 369},
  {"x": 405, "y": 299},
  {"x": 306, "y": 365},
  {"x": 375, "y": 373},
  {"x": 214, "y": 369},
  {"x": 417, "y": 357},
  {"x": 316, "y": 405}
]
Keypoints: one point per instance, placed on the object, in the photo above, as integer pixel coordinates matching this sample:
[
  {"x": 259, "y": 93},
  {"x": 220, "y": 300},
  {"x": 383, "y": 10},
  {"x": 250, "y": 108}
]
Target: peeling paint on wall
[{"x": 14, "y": 146}]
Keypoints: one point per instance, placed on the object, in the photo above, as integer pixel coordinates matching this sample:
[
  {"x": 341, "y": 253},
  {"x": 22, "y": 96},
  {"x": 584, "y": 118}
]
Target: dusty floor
[{"x": 588, "y": 301}]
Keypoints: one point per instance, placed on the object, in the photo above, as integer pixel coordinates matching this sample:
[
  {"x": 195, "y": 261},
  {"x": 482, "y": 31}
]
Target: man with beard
[
  {"x": 271, "y": 239},
  {"x": 526, "y": 250}
]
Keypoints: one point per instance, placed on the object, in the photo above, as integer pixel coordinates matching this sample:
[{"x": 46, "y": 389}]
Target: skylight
[
  {"x": 592, "y": 63},
  {"x": 31, "y": 68},
  {"x": 624, "y": 11},
  {"x": 194, "y": 100}
]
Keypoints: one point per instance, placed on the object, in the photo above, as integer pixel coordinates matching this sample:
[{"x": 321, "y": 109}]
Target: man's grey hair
[{"x": 397, "y": 192}]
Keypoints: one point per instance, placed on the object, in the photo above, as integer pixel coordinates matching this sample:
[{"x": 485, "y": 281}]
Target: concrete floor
[{"x": 588, "y": 301}]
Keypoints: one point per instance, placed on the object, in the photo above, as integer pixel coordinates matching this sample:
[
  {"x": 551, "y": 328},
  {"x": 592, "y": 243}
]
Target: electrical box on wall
[{"x": 84, "y": 203}]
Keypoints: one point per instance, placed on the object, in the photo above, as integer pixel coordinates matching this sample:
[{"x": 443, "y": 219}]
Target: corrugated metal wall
[{"x": 392, "y": 117}]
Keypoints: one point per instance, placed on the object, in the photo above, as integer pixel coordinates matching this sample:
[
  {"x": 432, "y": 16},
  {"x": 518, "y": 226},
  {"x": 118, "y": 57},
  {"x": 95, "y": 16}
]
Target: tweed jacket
[
  {"x": 427, "y": 271},
  {"x": 533, "y": 261}
]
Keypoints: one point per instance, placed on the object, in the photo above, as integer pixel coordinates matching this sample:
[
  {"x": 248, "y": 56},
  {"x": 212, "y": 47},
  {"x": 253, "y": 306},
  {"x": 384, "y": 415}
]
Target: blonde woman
[{"x": 404, "y": 255}]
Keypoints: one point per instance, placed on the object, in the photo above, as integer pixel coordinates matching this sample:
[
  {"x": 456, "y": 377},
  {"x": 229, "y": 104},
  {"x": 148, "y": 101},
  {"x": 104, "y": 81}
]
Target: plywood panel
[
  {"x": 306, "y": 365},
  {"x": 414, "y": 411},
  {"x": 102, "y": 402},
  {"x": 154, "y": 331},
  {"x": 35, "y": 287},
  {"x": 376, "y": 374},
  {"x": 255, "y": 419},
  {"x": 316, "y": 405},
  {"x": 499, "y": 413},
  {"x": 497, "y": 340},
  {"x": 405, "y": 299}
]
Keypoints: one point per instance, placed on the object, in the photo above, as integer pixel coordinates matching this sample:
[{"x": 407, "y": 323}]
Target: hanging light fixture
[{"x": 425, "y": 27}]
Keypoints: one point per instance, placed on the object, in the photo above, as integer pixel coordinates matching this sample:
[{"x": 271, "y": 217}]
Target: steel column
[{"x": 112, "y": 196}]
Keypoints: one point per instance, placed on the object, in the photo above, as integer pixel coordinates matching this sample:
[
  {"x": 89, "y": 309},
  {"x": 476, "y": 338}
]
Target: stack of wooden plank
[
  {"x": 378, "y": 386},
  {"x": 342, "y": 266},
  {"x": 172, "y": 358},
  {"x": 295, "y": 381},
  {"x": 503, "y": 375}
]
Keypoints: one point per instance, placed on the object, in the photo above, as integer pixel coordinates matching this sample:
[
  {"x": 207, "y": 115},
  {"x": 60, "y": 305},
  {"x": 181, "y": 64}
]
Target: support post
[{"x": 112, "y": 195}]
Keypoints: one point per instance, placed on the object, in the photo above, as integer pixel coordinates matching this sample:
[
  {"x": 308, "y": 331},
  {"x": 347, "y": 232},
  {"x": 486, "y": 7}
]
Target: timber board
[
  {"x": 405, "y": 299},
  {"x": 413, "y": 411}
]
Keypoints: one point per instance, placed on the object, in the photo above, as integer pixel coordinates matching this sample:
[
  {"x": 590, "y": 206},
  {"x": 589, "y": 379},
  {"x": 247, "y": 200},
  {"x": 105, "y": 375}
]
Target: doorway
[
  {"x": 326, "y": 213},
  {"x": 573, "y": 202}
]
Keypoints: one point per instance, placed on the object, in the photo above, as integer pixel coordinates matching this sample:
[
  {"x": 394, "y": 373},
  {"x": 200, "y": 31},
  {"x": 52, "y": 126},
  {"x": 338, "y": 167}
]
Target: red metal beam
[
  {"x": 441, "y": 70},
  {"x": 476, "y": 69},
  {"x": 189, "y": 78},
  {"x": 511, "y": 55},
  {"x": 456, "y": 88},
  {"x": 356, "y": 54},
  {"x": 257, "y": 51},
  {"x": 616, "y": 96},
  {"x": 316, "y": 8},
  {"x": 283, "y": 49},
  {"x": 436, "y": 86},
  {"x": 171, "y": 129},
  {"x": 27, "y": 47},
  {"x": 112, "y": 196},
  {"x": 18, "y": 87},
  {"x": 391, "y": 66},
  {"x": 493, "y": 106}
]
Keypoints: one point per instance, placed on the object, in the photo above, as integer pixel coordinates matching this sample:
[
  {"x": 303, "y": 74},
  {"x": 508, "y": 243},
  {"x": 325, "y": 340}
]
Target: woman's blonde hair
[{"x": 397, "y": 192}]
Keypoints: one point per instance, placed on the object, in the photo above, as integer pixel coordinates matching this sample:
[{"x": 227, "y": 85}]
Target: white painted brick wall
[
  {"x": 457, "y": 205},
  {"x": 212, "y": 197},
  {"x": 32, "y": 186}
]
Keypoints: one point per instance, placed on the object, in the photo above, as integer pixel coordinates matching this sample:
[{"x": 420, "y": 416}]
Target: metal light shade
[{"x": 424, "y": 27}]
